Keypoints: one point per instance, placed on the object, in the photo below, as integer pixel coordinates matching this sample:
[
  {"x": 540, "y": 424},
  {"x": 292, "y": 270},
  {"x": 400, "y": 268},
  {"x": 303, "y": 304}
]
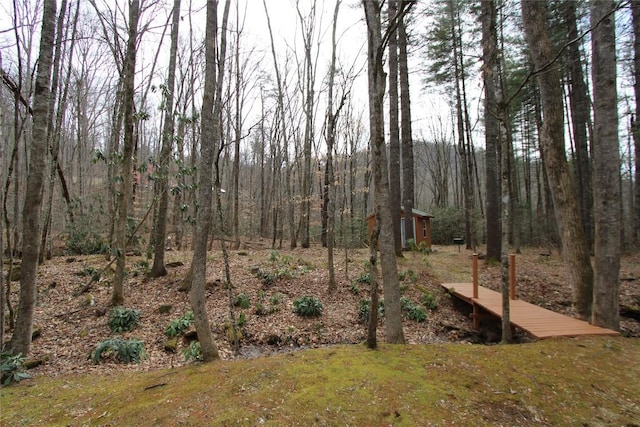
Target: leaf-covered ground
[{"x": 71, "y": 326}]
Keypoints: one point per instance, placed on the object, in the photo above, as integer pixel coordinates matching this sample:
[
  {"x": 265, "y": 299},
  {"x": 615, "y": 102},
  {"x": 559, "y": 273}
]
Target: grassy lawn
[{"x": 586, "y": 381}]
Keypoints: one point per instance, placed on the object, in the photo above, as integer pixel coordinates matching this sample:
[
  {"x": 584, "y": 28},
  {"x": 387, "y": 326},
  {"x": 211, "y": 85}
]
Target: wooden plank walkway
[{"x": 536, "y": 320}]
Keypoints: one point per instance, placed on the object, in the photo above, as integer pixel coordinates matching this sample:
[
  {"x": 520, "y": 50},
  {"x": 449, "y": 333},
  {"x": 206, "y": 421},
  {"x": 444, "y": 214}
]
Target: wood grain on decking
[{"x": 536, "y": 320}]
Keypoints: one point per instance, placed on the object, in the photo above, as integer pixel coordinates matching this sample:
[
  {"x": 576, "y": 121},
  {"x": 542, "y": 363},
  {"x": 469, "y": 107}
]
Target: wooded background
[{"x": 518, "y": 118}]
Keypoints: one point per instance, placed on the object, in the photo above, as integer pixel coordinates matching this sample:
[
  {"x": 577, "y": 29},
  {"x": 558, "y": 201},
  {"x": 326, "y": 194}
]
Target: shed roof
[{"x": 416, "y": 212}]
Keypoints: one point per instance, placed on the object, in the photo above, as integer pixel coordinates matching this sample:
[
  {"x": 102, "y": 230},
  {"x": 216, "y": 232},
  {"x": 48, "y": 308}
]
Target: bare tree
[
  {"x": 395, "y": 190},
  {"x": 211, "y": 134},
  {"x": 406, "y": 135},
  {"x": 332, "y": 117},
  {"x": 492, "y": 128},
  {"x": 128, "y": 83},
  {"x": 635, "y": 9},
  {"x": 2, "y": 295},
  {"x": 21, "y": 339},
  {"x": 375, "y": 49},
  {"x": 580, "y": 116},
  {"x": 606, "y": 170},
  {"x": 307, "y": 28},
  {"x": 162, "y": 184},
  {"x": 574, "y": 245}
]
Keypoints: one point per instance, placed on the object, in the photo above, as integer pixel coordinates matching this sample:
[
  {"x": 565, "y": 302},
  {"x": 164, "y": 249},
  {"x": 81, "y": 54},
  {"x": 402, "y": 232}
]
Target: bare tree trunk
[
  {"x": 606, "y": 171},
  {"x": 635, "y": 8},
  {"x": 53, "y": 139},
  {"x": 391, "y": 287},
  {"x": 129, "y": 71},
  {"x": 492, "y": 129},
  {"x": 332, "y": 117},
  {"x": 307, "y": 29},
  {"x": 580, "y": 116},
  {"x": 211, "y": 133},
  {"x": 395, "y": 193},
  {"x": 574, "y": 244},
  {"x": 406, "y": 135},
  {"x": 160, "y": 226},
  {"x": 21, "y": 339},
  {"x": 2, "y": 178}
]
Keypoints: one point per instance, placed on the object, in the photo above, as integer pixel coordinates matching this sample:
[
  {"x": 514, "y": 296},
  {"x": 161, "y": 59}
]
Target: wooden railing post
[
  {"x": 512, "y": 276},
  {"x": 475, "y": 275}
]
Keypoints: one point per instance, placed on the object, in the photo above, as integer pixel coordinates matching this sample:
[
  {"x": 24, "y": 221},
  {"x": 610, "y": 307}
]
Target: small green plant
[
  {"x": 429, "y": 301},
  {"x": 242, "y": 320},
  {"x": 409, "y": 275},
  {"x": 266, "y": 277},
  {"x": 403, "y": 288},
  {"x": 123, "y": 319},
  {"x": 275, "y": 298},
  {"x": 90, "y": 271},
  {"x": 364, "y": 278},
  {"x": 193, "y": 352},
  {"x": 364, "y": 308},
  {"x": 242, "y": 301},
  {"x": 355, "y": 290},
  {"x": 273, "y": 256},
  {"x": 179, "y": 326},
  {"x": 260, "y": 309},
  {"x": 12, "y": 368},
  {"x": 125, "y": 351},
  {"x": 412, "y": 311},
  {"x": 307, "y": 306},
  {"x": 420, "y": 247}
]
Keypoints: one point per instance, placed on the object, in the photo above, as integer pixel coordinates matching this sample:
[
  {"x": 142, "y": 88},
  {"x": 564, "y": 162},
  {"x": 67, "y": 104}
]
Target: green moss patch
[{"x": 555, "y": 382}]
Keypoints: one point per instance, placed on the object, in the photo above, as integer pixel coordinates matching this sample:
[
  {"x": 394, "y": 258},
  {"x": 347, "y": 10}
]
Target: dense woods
[{"x": 133, "y": 127}]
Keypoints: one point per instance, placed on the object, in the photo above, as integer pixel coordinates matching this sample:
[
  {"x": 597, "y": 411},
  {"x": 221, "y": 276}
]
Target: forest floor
[{"x": 71, "y": 325}]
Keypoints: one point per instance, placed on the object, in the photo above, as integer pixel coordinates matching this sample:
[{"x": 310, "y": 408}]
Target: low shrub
[
  {"x": 412, "y": 311},
  {"x": 364, "y": 307},
  {"x": 83, "y": 240},
  {"x": 179, "y": 326},
  {"x": 429, "y": 301},
  {"x": 193, "y": 352},
  {"x": 125, "y": 351},
  {"x": 123, "y": 319},
  {"x": 307, "y": 306},
  {"x": 242, "y": 301},
  {"x": 12, "y": 368}
]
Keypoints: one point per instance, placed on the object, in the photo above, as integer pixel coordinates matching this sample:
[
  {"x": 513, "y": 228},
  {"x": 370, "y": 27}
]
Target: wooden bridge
[{"x": 537, "y": 321}]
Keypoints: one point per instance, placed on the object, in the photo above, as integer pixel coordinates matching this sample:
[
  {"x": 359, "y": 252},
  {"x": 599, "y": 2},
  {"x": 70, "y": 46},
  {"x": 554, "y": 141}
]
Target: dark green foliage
[
  {"x": 307, "y": 306},
  {"x": 83, "y": 240},
  {"x": 266, "y": 277},
  {"x": 193, "y": 352},
  {"x": 355, "y": 290},
  {"x": 242, "y": 320},
  {"x": 412, "y": 311},
  {"x": 242, "y": 301},
  {"x": 90, "y": 271},
  {"x": 123, "y": 319},
  {"x": 450, "y": 224},
  {"x": 179, "y": 326},
  {"x": 422, "y": 247},
  {"x": 409, "y": 275},
  {"x": 429, "y": 301},
  {"x": 12, "y": 368},
  {"x": 364, "y": 278},
  {"x": 125, "y": 351},
  {"x": 364, "y": 307},
  {"x": 275, "y": 298}
]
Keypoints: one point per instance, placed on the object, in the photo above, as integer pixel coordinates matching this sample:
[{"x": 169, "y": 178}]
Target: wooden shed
[{"x": 421, "y": 225}]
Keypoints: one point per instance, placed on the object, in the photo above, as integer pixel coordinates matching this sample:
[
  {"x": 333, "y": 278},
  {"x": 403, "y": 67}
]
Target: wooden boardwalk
[{"x": 537, "y": 321}]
